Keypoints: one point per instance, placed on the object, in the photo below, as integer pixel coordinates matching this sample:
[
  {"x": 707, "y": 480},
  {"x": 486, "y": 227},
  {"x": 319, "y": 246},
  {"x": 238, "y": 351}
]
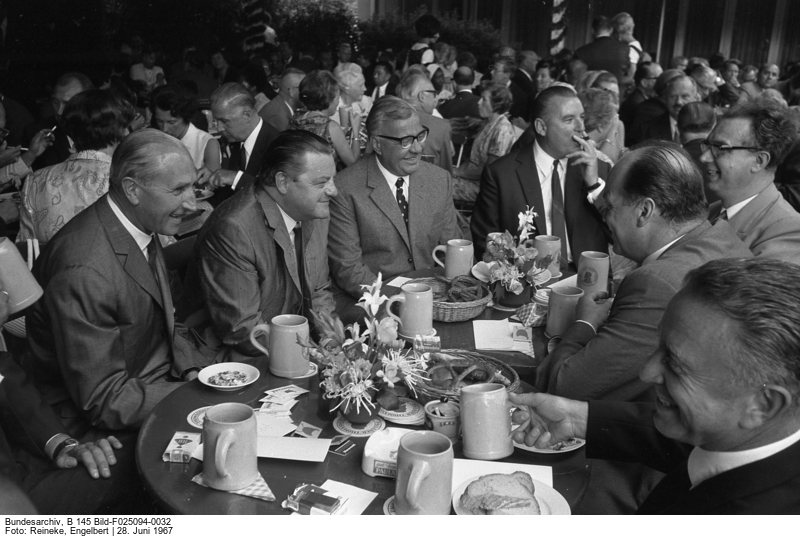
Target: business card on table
[
  {"x": 307, "y": 430},
  {"x": 287, "y": 392}
]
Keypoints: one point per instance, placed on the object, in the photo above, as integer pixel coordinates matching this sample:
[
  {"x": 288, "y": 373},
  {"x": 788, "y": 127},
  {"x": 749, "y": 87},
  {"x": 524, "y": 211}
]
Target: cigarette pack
[
  {"x": 181, "y": 447},
  {"x": 313, "y": 500}
]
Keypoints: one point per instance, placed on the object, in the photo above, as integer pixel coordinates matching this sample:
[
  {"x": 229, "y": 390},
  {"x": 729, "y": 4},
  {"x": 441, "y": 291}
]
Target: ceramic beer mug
[
  {"x": 17, "y": 280},
  {"x": 593, "y": 272},
  {"x": 561, "y": 310},
  {"x": 416, "y": 310},
  {"x": 424, "y": 474},
  {"x": 458, "y": 257},
  {"x": 549, "y": 245},
  {"x": 286, "y": 357},
  {"x": 486, "y": 422},
  {"x": 230, "y": 460}
]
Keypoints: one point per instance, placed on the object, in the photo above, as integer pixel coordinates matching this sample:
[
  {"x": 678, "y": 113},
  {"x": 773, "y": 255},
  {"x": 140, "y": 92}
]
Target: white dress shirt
[
  {"x": 544, "y": 165},
  {"x": 249, "y": 145},
  {"x": 704, "y": 464},
  {"x": 391, "y": 179},
  {"x": 379, "y": 92},
  {"x": 291, "y": 224}
]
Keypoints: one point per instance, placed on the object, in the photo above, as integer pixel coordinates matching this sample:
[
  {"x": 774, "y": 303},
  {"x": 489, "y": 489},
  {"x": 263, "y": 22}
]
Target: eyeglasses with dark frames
[
  {"x": 717, "y": 148},
  {"x": 406, "y": 141}
]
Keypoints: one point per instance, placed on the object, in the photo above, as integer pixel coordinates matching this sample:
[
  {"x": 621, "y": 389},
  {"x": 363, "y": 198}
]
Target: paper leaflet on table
[
  {"x": 498, "y": 336},
  {"x": 399, "y": 281},
  {"x": 358, "y": 499}
]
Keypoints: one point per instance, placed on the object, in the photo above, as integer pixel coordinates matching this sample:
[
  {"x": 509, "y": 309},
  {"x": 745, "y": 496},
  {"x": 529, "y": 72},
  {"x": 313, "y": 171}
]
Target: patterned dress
[{"x": 319, "y": 126}]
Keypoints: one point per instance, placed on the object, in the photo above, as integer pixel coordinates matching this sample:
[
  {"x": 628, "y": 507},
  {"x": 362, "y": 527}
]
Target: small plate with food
[
  {"x": 202, "y": 194},
  {"x": 570, "y": 444},
  {"x": 228, "y": 376},
  {"x": 508, "y": 494}
]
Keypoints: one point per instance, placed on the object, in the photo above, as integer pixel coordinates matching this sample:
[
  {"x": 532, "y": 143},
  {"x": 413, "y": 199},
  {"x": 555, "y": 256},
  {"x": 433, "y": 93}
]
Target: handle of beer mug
[
  {"x": 440, "y": 248},
  {"x": 255, "y": 332},
  {"x": 224, "y": 442},
  {"x": 419, "y": 471},
  {"x": 396, "y": 298}
]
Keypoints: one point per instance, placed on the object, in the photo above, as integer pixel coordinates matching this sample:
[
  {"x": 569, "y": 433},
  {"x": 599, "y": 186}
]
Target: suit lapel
[
  {"x": 274, "y": 219},
  {"x": 127, "y": 251},
  {"x": 528, "y": 176},
  {"x": 254, "y": 163},
  {"x": 382, "y": 197},
  {"x": 744, "y": 221}
]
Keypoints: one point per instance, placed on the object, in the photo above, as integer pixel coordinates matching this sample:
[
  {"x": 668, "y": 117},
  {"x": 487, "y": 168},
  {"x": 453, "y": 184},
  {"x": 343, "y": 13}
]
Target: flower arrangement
[
  {"x": 510, "y": 264},
  {"x": 365, "y": 367}
]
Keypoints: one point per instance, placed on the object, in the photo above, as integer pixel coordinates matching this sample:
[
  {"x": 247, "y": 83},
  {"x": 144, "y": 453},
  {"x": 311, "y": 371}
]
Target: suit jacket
[
  {"x": 526, "y": 84},
  {"x": 277, "y": 114},
  {"x": 624, "y": 431},
  {"x": 104, "y": 351},
  {"x": 520, "y": 105},
  {"x": 645, "y": 111},
  {"x": 606, "y": 54},
  {"x": 464, "y": 104},
  {"x": 511, "y": 183},
  {"x": 768, "y": 225},
  {"x": 606, "y": 366},
  {"x": 244, "y": 268},
  {"x": 367, "y": 233},
  {"x": 391, "y": 86},
  {"x": 657, "y": 128},
  {"x": 265, "y": 137},
  {"x": 628, "y": 108},
  {"x": 438, "y": 147}
]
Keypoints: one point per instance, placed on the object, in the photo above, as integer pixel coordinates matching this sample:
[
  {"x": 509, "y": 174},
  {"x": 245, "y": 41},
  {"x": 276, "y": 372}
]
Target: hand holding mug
[
  {"x": 555, "y": 419},
  {"x": 593, "y": 308}
]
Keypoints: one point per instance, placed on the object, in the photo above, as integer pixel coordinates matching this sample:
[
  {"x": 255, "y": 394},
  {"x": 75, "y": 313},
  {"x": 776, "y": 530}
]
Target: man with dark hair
[
  {"x": 605, "y": 53},
  {"x": 264, "y": 254},
  {"x": 465, "y": 103},
  {"x": 96, "y": 122},
  {"x": 427, "y": 28},
  {"x": 392, "y": 208},
  {"x": 417, "y": 90},
  {"x": 654, "y": 204},
  {"x": 644, "y": 80},
  {"x": 383, "y": 79},
  {"x": 67, "y": 86},
  {"x": 725, "y": 425},
  {"x": 280, "y": 110},
  {"x": 740, "y": 158},
  {"x": 556, "y": 176},
  {"x": 234, "y": 109},
  {"x": 105, "y": 348},
  {"x": 679, "y": 90}
]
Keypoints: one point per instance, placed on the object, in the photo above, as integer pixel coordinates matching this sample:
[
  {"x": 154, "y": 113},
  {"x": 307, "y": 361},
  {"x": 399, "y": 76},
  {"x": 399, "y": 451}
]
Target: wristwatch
[{"x": 68, "y": 443}]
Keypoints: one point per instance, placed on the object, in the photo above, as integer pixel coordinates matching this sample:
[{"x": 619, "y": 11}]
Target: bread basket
[{"x": 455, "y": 312}]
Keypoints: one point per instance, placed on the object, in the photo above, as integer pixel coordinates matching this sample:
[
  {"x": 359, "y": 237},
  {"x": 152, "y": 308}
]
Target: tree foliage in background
[
  {"x": 397, "y": 33},
  {"x": 324, "y": 24}
]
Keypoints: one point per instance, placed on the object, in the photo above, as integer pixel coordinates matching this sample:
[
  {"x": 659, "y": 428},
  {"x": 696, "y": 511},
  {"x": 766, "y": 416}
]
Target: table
[{"x": 170, "y": 483}]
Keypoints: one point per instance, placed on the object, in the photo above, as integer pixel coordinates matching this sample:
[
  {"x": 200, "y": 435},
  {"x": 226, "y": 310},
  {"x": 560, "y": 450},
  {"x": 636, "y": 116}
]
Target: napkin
[
  {"x": 497, "y": 336},
  {"x": 528, "y": 316},
  {"x": 258, "y": 489}
]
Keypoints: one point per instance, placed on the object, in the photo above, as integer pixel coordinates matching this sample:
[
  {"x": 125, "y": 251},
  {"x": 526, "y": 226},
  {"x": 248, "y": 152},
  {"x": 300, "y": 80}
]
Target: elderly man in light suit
[
  {"x": 740, "y": 163},
  {"x": 392, "y": 209}
]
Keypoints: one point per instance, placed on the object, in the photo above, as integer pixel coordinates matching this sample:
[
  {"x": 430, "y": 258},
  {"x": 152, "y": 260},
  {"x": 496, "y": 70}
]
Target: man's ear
[
  {"x": 540, "y": 126},
  {"x": 376, "y": 144},
  {"x": 645, "y": 211},
  {"x": 768, "y": 402},
  {"x": 762, "y": 161},
  {"x": 131, "y": 190},
  {"x": 247, "y": 114},
  {"x": 282, "y": 182}
]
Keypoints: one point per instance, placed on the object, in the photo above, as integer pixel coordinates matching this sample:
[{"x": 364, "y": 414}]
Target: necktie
[
  {"x": 557, "y": 219},
  {"x": 723, "y": 215},
  {"x": 669, "y": 491},
  {"x": 401, "y": 199},
  {"x": 676, "y": 136},
  {"x": 301, "y": 273},
  {"x": 156, "y": 261},
  {"x": 242, "y": 157}
]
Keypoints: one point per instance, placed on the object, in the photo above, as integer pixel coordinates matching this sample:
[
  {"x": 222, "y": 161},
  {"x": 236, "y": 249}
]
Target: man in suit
[
  {"x": 416, "y": 89},
  {"x": 465, "y": 103},
  {"x": 650, "y": 108},
  {"x": 105, "y": 348},
  {"x": 279, "y": 111},
  {"x": 556, "y": 176},
  {"x": 679, "y": 91},
  {"x": 605, "y": 53},
  {"x": 247, "y": 267},
  {"x": 645, "y": 80},
  {"x": 740, "y": 158},
  {"x": 713, "y": 90},
  {"x": 502, "y": 73},
  {"x": 383, "y": 80},
  {"x": 247, "y": 134},
  {"x": 526, "y": 71},
  {"x": 67, "y": 86},
  {"x": 392, "y": 209},
  {"x": 725, "y": 425}
]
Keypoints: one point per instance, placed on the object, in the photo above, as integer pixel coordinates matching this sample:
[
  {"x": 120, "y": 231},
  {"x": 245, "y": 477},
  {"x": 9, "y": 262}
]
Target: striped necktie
[{"x": 557, "y": 217}]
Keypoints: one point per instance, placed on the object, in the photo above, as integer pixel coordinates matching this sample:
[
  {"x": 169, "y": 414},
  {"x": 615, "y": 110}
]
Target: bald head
[{"x": 464, "y": 77}]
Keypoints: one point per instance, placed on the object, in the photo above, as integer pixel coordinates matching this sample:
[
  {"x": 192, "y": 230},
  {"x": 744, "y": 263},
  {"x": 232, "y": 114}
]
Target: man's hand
[
  {"x": 95, "y": 456},
  {"x": 43, "y": 139},
  {"x": 593, "y": 308},
  {"x": 203, "y": 175},
  {"x": 586, "y": 155},
  {"x": 553, "y": 419},
  {"x": 219, "y": 178},
  {"x": 8, "y": 155}
]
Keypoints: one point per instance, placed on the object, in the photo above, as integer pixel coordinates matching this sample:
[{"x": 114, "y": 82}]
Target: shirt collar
[
  {"x": 655, "y": 255},
  {"x": 250, "y": 142},
  {"x": 389, "y": 176},
  {"x": 142, "y": 239},
  {"x": 704, "y": 464},
  {"x": 735, "y": 208},
  {"x": 545, "y": 162},
  {"x": 290, "y": 222}
]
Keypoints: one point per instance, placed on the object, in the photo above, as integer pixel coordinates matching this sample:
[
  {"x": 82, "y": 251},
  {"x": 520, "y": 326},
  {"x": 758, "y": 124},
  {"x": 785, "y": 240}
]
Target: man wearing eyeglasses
[
  {"x": 645, "y": 80},
  {"x": 392, "y": 208},
  {"x": 740, "y": 162},
  {"x": 417, "y": 90}
]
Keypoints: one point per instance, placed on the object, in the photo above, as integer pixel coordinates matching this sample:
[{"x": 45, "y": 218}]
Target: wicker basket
[
  {"x": 455, "y": 312},
  {"x": 426, "y": 392}
]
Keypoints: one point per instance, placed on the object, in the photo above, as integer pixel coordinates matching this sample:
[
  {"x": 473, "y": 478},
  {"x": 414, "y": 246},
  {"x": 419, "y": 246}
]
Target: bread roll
[{"x": 501, "y": 494}]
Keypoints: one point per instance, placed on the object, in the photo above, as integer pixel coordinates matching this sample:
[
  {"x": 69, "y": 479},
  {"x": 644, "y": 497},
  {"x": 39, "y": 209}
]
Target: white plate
[
  {"x": 409, "y": 411},
  {"x": 208, "y": 372},
  {"x": 195, "y": 417},
  {"x": 548, "y": 451},
  {"x": 345, "y": 427},
  {"x": 411, "y": 338},
  {"x": 201, "y": 195},
  {"x": 312, "y": 370},
  {"x": 551, "y": 502}
]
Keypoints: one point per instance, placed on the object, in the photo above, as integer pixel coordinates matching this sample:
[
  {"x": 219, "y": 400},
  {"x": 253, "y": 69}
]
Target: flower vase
[
  {"x": 507, "y": 299},
  {"x": 360, "y": 417}
]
